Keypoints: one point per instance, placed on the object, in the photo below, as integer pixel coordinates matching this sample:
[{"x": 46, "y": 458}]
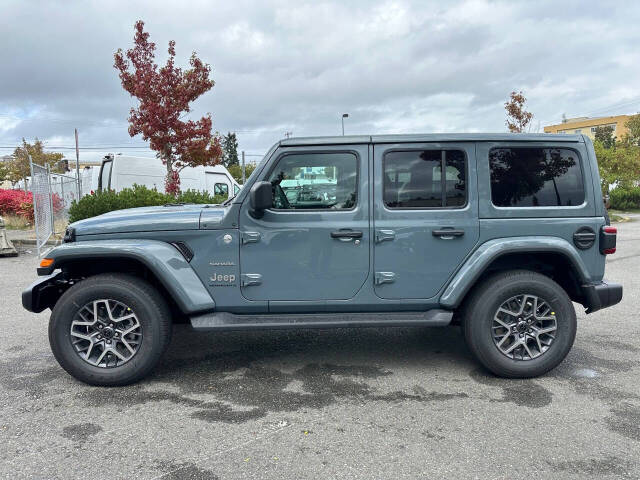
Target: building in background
[{"x": 587, "y": 126}]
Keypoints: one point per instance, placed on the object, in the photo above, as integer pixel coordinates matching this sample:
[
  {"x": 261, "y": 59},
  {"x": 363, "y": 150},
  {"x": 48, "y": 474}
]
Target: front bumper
[
  {"x": 43, "y": 293},
  {"x": 601, "y": 295}
]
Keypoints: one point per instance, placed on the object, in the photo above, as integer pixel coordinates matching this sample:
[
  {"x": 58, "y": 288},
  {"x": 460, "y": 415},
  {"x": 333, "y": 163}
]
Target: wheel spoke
[
  {"x": 545, "y": 330},
  {"x": 513, "y": 346}
]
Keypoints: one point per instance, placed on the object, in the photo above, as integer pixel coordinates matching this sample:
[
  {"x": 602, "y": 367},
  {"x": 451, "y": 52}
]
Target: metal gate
[{"x": 42, "y": 204}]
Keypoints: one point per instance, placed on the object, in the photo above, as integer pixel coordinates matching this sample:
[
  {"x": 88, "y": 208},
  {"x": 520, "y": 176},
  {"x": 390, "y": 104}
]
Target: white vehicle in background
[{"x": 118, "y": 172}]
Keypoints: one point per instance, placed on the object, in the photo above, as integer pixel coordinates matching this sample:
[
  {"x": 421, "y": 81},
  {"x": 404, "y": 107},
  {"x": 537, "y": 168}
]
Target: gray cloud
[{"x": 395, "y": 66}]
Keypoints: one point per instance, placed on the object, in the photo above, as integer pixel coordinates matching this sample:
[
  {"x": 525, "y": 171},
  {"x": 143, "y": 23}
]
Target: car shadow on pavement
[{"x": 235, "y": 377}]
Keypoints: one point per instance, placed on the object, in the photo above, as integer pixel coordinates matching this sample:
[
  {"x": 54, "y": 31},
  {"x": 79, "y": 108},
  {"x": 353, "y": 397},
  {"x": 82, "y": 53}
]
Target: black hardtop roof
[{"x": 433, "y": 137}]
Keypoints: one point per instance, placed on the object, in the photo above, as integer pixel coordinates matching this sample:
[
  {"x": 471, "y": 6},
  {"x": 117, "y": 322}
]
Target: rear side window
[
  {"x": 535, "y": 177},
  {"x": 413, "y": 179}
]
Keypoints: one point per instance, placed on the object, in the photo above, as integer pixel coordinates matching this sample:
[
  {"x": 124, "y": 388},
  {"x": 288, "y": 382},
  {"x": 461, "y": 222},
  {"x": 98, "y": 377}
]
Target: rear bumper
[
  {"x": 42, "y": 293},
  {"x": 601, "y": 295}
]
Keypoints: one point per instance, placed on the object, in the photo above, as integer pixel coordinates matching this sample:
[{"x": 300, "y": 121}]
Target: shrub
[
  {"x": 139, "y": 196},
  {"x": 16, "y": 202},
  {"x": 625, "y": 198}
]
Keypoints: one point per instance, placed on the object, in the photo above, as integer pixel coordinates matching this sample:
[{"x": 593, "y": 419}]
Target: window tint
[
  {"x": 221, "y": 189},
  {"x": 315, "y": 181},
  {"x": 413, "y": 179},
  {"x": 535, "y": 177}
]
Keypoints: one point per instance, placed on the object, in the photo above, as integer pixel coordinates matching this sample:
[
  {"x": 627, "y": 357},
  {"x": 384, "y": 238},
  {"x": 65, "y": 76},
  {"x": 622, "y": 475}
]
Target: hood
[{"x": 145, "y": 219}]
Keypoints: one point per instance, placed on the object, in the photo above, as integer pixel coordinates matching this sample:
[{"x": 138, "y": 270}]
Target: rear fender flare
[{"x": 477, "y": 263}]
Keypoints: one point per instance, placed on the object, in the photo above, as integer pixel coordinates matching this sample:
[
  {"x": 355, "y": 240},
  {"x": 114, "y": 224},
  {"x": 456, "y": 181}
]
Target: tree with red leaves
[
  {"x": 517, "y": 117},
  {"x": 164, "y": 95}
]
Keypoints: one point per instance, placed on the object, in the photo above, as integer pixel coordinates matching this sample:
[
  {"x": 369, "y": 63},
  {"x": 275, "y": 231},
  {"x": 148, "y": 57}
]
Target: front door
[
  {"x": 425, "y": 216},
  {"x": 313, "y": 245}
]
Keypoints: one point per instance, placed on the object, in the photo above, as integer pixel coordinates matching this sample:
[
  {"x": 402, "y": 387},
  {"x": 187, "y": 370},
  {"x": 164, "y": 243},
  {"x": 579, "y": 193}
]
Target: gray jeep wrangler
[{"x": 497, "y": 232}]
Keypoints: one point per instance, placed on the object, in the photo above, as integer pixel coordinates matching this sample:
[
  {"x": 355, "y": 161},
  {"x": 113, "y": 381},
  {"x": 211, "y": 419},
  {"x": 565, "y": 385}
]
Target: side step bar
[{"x": 232, "y": 321}]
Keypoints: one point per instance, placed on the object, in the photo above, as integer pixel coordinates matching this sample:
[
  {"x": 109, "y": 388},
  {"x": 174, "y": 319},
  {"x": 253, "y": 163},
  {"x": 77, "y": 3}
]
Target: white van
[{"x": 118, "y": 172}]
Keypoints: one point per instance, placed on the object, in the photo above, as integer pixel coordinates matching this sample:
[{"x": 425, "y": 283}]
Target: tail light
[{"x": 608, "y": 235}]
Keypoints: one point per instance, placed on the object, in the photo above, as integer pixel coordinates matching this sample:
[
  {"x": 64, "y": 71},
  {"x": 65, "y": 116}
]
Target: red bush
[
  {"x": 20, "y": 203},
  {"x": 16, "y": 202}
]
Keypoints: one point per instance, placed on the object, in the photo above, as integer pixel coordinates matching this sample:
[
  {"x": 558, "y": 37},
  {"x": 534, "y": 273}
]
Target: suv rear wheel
[
  {"x": 109, "y": 330},
  {"x": 519, "y": 324}
]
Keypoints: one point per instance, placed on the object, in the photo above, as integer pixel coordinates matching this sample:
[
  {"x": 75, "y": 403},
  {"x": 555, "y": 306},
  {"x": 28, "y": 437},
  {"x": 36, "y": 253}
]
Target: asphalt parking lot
[{"x": 373, "y": 403}]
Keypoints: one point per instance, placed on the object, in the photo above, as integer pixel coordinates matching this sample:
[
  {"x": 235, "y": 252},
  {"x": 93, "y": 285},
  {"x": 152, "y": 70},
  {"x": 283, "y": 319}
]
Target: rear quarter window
[{"x": 535, "y": 177}]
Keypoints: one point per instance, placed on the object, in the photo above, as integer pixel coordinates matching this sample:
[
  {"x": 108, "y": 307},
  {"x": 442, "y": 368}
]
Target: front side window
[
  {"x": 535, "y": 177},
  {"x": 315, "y": 181},
  {"x": 221, "y": 189},
  {"x": 413, "y": 179}
]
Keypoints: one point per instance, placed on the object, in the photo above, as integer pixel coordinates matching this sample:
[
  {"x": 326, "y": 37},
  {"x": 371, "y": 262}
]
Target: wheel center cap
[
  {"x": 522, "y": 327},
  {"x": 108, "y": 333}
]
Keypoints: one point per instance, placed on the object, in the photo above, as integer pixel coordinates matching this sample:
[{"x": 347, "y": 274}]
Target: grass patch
[
  {"x": 15, "y": 222},
  {"x": 622, "y": 212}
]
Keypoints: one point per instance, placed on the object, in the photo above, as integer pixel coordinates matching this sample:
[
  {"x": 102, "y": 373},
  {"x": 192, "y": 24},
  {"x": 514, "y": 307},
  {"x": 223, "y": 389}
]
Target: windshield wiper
[{"x": 228, "y": 200}]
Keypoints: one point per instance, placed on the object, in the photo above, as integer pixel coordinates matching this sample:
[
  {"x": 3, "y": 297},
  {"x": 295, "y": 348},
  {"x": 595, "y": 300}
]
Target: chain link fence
[
  {"x": 53, "y": 194},
  {"x": 64, "y": 190},
  {"x": 42, "y": 204}
]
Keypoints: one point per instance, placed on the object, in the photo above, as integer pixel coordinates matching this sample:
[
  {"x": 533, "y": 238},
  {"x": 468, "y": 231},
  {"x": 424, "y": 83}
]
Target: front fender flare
[
  {"x": 485, "y": 254},
  {"x": 162, "y": 259}
]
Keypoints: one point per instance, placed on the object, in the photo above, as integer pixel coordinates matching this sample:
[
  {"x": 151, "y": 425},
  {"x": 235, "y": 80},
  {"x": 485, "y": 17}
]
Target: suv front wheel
[
  {"x": 519, "y": 324},
  {"x": 110, "y": 329}
]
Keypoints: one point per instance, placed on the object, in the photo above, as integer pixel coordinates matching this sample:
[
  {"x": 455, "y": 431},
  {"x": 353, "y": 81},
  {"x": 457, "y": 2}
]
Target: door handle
[
  {"x": 447, "y": 233},
  {"x": 346, "y": 234}
]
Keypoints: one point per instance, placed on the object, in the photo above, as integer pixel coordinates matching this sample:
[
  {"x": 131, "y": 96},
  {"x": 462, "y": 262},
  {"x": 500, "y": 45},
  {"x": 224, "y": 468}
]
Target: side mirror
[{"x": 260, "y": 198}]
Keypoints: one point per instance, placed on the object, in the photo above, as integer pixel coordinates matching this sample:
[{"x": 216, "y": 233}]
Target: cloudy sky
[{"x": 394, "y": 66}]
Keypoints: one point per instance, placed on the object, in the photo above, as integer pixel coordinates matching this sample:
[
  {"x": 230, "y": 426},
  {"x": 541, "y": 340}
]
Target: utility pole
[
  {"x": 344, "y": 115},
  {"x": 78, "y": 179},
  {"x": 243, "y": 171}
]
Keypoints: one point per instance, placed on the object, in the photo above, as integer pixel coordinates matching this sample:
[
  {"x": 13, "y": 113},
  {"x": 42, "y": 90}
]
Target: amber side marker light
[{"x": 46, "y": 262}]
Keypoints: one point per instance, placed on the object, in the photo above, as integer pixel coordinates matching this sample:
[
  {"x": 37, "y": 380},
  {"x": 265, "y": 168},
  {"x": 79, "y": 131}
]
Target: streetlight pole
[{"x": 344, "y": 115}]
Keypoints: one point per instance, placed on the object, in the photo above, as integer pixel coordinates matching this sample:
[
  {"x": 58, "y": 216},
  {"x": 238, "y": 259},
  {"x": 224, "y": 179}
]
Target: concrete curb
[{"x": 32, "y": 242}]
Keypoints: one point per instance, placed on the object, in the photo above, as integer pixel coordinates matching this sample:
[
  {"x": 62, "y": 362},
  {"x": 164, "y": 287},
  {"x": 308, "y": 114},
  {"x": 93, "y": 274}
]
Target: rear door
[{"x": 425, "y": 222}]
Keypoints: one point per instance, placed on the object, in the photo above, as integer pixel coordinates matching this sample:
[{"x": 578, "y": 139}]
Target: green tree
[
  {"x": 230, "y": 149},
  {"x": 633, "y": 124},
  {"x": 19, "y": 168},
  {"x": 4, "y": 171},
  {"x": 619, "y": 164},
  {"x": 605, "y": 136},
  {"x": 236, "y": 171}
]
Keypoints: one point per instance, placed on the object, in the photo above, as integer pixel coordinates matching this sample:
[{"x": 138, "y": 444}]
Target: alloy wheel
[
  {"x": 524, "y": 327},
  {"x": 106, "y": 333}
]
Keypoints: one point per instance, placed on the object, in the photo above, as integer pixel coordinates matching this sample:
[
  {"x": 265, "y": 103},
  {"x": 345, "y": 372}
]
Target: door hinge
[
  {"x": 384, "y": 235},
  {"x": 384, "y": 277},
  {"x": 250, "y": 237},
  {"x": 249, "y": 279}
]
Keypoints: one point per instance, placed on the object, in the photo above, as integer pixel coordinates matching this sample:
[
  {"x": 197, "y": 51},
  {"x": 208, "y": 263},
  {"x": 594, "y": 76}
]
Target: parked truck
[
  {"x": 498, "y": 233},
  {"x": 118, "y": 172}
]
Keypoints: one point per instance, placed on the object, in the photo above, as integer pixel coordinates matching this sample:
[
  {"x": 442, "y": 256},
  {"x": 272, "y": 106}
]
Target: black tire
[
  {"x": 144, "y": 300},
  {"x": 483, "y": 303}
]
